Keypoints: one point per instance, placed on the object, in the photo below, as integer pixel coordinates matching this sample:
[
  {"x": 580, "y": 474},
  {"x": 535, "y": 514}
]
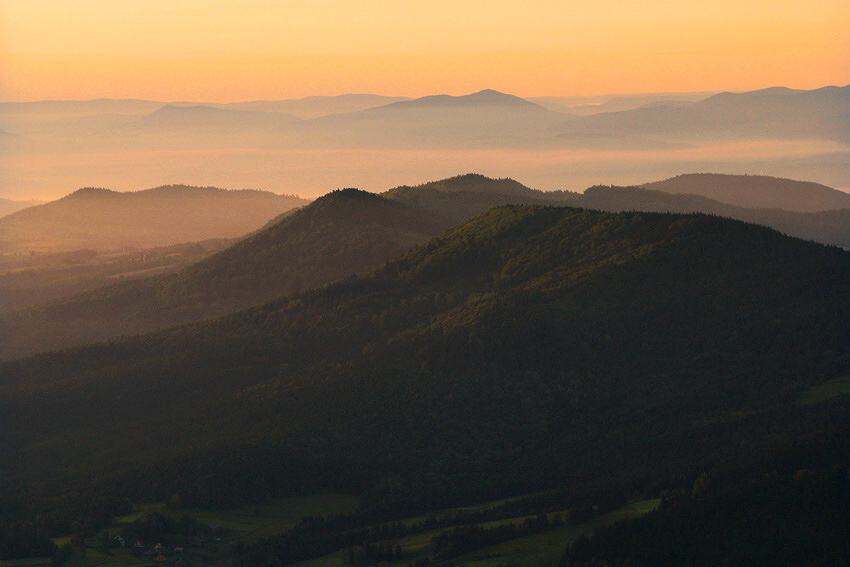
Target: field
[
  {"x": 827, "y": 391},
  {"x": 252, "y": 522},
  {"x": 245, "y": 524},
  {"x": 537, "y": 550}
]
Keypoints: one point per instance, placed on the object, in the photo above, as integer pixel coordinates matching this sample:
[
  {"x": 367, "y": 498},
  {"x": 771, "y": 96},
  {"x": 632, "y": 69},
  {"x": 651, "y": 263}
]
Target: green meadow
[{"x": 250, "y": 523}]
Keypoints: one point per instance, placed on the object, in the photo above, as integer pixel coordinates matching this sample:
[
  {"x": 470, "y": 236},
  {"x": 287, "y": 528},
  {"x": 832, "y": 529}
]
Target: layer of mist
[{"x": 310, "y": 146}]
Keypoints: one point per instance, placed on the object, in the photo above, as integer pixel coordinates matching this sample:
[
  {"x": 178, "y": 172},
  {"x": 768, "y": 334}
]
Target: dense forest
[
  {"x": 529, "y": 348},
  {"x": 771, "y": 519}
]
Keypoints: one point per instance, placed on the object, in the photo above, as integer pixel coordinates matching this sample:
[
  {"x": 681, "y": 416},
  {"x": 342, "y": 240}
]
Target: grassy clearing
[
  {"x": 537, "y": 550},
  {"x": 258, "y": 520},
  {"x": 472, "y": 508},
  {"x": 546, "y": 548},
  {"x": 245, "y": 524},
  {"x": 252, "y": 522},
  {"x": 826, "y": 391}
]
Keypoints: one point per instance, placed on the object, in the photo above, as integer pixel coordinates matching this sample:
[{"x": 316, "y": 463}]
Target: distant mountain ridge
[
  {"x": 486, "y": 97},
  {"x": 777, "y": 113},
  {"x": 757, "y": 191},
  {"x": 172, "y": 214},
  {"x": 8, "y": 206},
  {"x": 173, "y": 116},
  {"x": 486, "y": 118}
]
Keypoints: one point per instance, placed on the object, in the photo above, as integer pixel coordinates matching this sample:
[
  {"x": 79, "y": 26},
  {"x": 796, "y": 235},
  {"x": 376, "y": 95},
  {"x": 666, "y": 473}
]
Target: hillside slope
[
  {"x": 340, "y": 234},
  {"x": 827, "y": 227},
  {"x": 344, "y": 233},
  {"x": 528, "y": 346}
]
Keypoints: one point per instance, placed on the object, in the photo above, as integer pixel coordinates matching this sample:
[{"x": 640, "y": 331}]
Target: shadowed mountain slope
[
  {"x": 827, "y": 227},
  {"x": 464, "y": 196},
  {"x": 528, "y": 346},
  {"x": 171, "y": 214},
  {"x": 342, "y": 233}
]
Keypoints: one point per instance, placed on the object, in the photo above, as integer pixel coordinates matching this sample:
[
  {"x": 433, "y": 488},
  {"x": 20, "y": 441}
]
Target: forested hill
[
  {"x": 464, "y": 196},
  {"x": 526, "y": 348},
  {"x": 827, "y": 227},
  {"x": 342, "y": 233},
  {"x": 172, "y": 214}
]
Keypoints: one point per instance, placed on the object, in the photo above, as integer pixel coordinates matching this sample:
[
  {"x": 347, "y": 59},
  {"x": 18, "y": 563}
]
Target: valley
[
  {"x": 453, "y": 347},
  {"x": 407, "y": 284}
]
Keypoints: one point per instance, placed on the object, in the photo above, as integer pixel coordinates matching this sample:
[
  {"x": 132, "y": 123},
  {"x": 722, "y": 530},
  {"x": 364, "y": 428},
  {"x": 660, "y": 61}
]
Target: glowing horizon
[{"x": 260, "y": 49}]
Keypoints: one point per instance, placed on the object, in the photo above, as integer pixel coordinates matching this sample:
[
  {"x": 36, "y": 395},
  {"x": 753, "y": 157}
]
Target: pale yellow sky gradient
[{"x": 216, "y": 50}]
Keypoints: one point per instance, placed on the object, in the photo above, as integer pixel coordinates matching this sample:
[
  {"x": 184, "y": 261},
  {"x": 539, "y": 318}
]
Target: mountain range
[
  {"x": 306, "y": 146},
  {"x": 483, "y": 119},
  {"x": 349, "y": 232},
  {"x": 527, "y": 348},
  {"x": 442, "y": 345},
  {"x": 776, "y": 113}
]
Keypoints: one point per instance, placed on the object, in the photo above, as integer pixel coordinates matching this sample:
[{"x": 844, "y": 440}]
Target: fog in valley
[{"x": 310, "y": 146}]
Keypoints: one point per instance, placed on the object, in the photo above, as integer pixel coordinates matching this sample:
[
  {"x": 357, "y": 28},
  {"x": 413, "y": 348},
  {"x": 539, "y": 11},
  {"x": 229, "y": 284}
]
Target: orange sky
[{"x": 216, "y": 50}]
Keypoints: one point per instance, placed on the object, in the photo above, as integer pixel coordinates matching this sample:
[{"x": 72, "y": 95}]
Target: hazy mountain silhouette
[
  {"x": 777, "y": 113},
  {"x": 79, "y": 107},
  {"x": 315, "y": 106},
  {"x": 788, "y": 134},
  {"x": 757, "y": 191},
  {"x": 584, "y": 105},
  {"x": 8, "y": 206},
  {"x": 171, "y": 214},
  {"x": 209, "y": 118},
  {"x": 529, "y": 345},
  {"x": 486, "y": 118},
  {"x": 487, "y": 97}
]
